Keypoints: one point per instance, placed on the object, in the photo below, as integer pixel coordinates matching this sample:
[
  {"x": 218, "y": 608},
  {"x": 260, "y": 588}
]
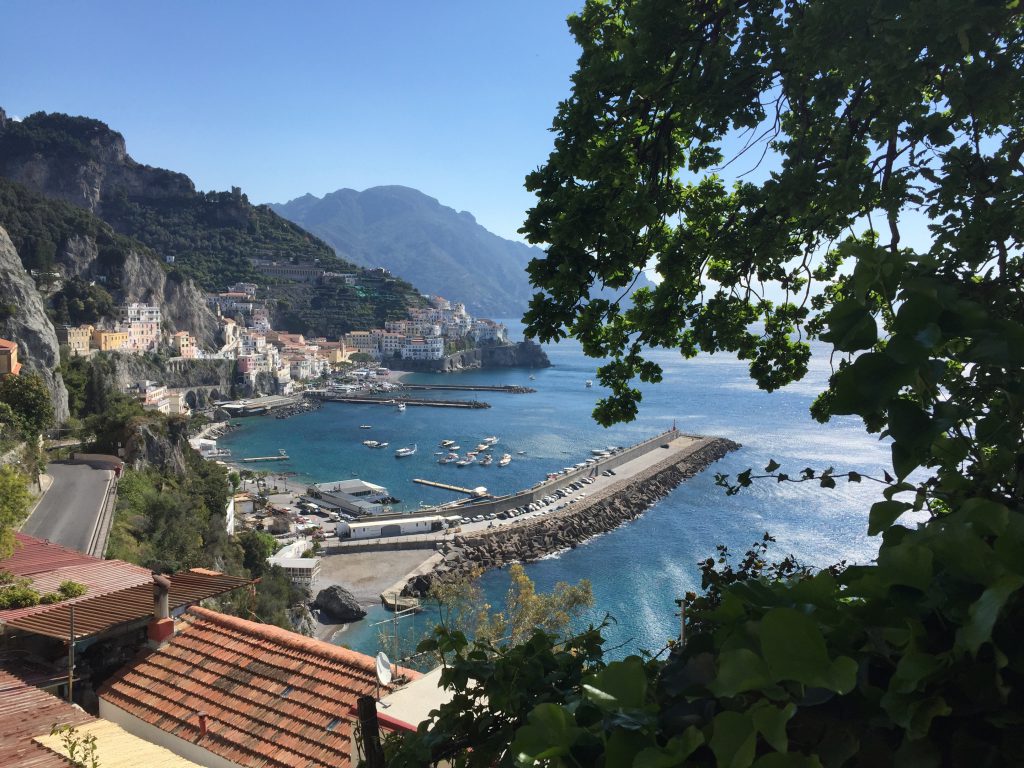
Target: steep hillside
[
  {"x": 95, "y": 262},
  {"x": 149, "y": 233},
  {"x": 210, "y": 236},
  {"x": 436, "y": 248}
]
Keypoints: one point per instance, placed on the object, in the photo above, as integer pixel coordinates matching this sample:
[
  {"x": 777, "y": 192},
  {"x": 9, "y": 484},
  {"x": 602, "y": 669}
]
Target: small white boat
[
  {"x": 486, "y": 460},
  {"x": 446, "y": 443},
  {"x": 589, "y": 383},
  {"x": 380, "y": 445},
  {"x": 520, "y": 453},
  {"x": 453, "y": 447},
  {"x": 407, "y": 451},
  {"x": 365, "y": 426},
  {"x": 448, "y": 459},
  {"x": 505, "y": 460},
  {"x": 490, "y": 440},
  {"x": 532, "y": 377},
  {"x": 465, "y": 462},
  {"x": 401, "y": 407},
  {"x": 370, "y": 443},
  {"x": 483, "y": 447}
]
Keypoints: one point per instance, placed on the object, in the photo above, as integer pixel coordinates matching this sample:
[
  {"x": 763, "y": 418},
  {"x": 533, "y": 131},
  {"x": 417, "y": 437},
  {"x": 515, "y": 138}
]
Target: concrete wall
[{"x": 154, "y": 735}]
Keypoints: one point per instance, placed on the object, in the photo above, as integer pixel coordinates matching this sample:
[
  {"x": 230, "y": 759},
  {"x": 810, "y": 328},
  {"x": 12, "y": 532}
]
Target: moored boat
[
  {"x": 505, "y": 460},
  {"x": 407, "y": 451}
]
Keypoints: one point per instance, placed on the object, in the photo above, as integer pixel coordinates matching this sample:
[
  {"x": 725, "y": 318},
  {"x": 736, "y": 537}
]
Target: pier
[
  {"x": 508, "y": 388},
  {"x": 352, "y": 399},
  {"x": 280, "y": 457},
  {"x": 447, "y": 487}
]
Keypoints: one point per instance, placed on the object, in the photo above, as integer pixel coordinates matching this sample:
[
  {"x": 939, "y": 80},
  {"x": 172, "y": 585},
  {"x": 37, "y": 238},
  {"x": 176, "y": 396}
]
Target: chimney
[
  {"x": 161, "y": 629},
  {"x": 202, "y": 723}
]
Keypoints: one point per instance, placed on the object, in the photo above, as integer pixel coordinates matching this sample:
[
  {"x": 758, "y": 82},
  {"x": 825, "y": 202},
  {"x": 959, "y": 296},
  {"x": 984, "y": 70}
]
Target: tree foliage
[
  {"x": 29, "y": 401},
  {"x": 14, "y": 504},
  {"x": 861, "y": 118}
]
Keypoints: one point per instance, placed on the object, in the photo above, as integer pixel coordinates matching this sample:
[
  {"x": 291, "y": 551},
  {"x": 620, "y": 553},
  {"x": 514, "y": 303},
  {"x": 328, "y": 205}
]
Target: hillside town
[{"x": 285, "y": 360}]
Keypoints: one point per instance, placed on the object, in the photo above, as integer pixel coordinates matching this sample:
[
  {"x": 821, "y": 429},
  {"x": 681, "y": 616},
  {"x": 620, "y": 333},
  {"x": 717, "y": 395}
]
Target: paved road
[{"x": 68, "y": 511}]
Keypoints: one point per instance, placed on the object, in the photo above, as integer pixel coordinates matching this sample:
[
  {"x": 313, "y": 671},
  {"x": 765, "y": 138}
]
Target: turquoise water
[{"x": 639, "y": 569}]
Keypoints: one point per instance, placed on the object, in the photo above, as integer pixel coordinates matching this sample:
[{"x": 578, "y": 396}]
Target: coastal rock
[
  {"x": 23, "y": 320},
  {"x": 302, "y": 620},
  {"x": 524, "y": 354},
  {"x": 338, "y": 604}
]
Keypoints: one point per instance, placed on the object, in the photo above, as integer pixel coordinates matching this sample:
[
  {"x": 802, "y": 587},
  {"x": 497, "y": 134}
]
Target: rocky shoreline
[{"x": 534, "y": 538}]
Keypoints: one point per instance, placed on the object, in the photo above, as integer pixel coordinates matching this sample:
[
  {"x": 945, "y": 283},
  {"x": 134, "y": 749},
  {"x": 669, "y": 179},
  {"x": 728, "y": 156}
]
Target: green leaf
[
  {"x": 551, "y": 732},
  {"x": 794, "y": 648},
  {"x": 674, "y": 752},
  {"x": 883, "y": 514},
  {"x": 850, "y": 327},
  {"x": 740, "y": 670},
  {"x": 772, "y": 466},
  {"x": 985, "y": 610},
  {"x": 620, "y": 685},
  {"x": 733, "y": 740},
  {"x": 770, "y": 721},
  {"x": 913, "y": 667},
  {"x": 788, "y": 760}
]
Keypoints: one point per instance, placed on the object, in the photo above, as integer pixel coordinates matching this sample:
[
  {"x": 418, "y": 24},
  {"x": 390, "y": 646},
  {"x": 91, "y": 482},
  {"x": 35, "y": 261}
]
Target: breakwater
[
  {"x": 530, "y": 539},
  {"x": 420, "y": 401}
]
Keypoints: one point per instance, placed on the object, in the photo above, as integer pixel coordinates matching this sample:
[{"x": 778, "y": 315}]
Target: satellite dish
[{"x": 383, "y": 668}]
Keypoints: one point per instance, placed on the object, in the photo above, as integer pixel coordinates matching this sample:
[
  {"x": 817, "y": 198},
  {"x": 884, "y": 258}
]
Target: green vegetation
[
  {"x": 867, "y": 114},
  {"x": 14, "y": 506},
  {"x": 78, "y": 302},
  {"x": 80, "y": 751},
  {"x": 17, "y": 592},
  {"x": 41, "y": 228},
  {"x": 29, "y": 407}
]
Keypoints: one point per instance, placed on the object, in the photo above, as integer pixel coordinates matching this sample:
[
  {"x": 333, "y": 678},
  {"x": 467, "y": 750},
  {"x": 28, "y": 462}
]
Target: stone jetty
[{"x": 532, "y": 538}]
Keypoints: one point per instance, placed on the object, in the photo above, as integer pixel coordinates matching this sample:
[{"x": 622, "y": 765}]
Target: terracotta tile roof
[
  {"x": 272, "y": 698},
  {"x": 135, "y": 604},
  {"x": 27, "y": 712}
]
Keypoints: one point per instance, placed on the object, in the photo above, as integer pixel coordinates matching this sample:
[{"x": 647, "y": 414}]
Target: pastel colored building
[
  {"x": 9, "y": 358},
  {"x": 76, "y": 338}
]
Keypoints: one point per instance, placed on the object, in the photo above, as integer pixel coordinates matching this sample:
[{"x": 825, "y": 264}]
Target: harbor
[{"x": 393, "y": 401}]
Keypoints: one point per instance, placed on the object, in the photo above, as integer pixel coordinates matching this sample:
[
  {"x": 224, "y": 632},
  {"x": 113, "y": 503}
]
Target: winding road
[{"x": 70, "y": 510}]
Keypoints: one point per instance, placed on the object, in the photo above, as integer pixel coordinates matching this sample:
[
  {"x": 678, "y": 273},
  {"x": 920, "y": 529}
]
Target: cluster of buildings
[
  {"x": 145, "y": 675},
  {"x": 282, "y": 359},
  {"x": 427, "y": 334},
  {"x": 137, "y": 329}
]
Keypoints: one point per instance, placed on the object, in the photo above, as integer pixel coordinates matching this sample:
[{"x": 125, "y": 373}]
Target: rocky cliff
[
  {"x": 82, "y": 161},
  {"x": 25, "y": 322},
  {"x": 525, "y": 354}
]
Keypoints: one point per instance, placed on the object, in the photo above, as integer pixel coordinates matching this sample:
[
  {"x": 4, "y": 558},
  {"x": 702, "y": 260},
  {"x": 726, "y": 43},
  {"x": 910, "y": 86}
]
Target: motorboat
[
  {"x": 446, "y": 443},
  {"x": 505, "y": 460},
  {"x": 407, "y": 451},
  {"x": 486, "y": 460},
  {"x": 401, "y": 406},
  {"x": 490, "y": 440},
  {"x": 483, "y": 447},
  {"x": 370, "y": 443},
  {"x": 589, "y": 383},
  {"x": 365, "y": 426},
  {"x": 448, "y": 459},
  {"x": 380, "y": 445}
]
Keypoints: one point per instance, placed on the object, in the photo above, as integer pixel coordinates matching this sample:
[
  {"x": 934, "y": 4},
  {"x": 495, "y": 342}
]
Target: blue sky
[{"x": 452, "y": 98}]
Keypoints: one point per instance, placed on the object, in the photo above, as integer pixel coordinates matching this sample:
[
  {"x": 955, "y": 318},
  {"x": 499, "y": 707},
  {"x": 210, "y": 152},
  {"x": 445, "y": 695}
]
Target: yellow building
[
  {"x": 109, "y": 341},
  {"x": 75, "y": 338},
  {"x": 185, "y": 345}
]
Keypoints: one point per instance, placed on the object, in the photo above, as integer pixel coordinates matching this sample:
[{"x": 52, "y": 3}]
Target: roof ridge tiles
[{"x": 286, "y": 638}]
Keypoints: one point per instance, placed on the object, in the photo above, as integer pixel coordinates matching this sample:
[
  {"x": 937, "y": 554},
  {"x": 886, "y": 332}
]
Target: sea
[{"x": 638, "y": 570}]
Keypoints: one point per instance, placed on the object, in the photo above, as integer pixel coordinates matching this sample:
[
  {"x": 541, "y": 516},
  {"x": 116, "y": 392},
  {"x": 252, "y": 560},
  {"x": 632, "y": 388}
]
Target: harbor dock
[
  {"x": 446, "y": 487},
  {"x": 392, "y": 400},
  {"x": 507, "y": 388}
]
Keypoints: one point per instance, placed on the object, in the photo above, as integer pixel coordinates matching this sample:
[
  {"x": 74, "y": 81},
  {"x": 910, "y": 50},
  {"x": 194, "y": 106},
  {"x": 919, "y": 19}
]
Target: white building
[
  {"x": 420, "y": 348},
  {"x": 405, "y": 525}
]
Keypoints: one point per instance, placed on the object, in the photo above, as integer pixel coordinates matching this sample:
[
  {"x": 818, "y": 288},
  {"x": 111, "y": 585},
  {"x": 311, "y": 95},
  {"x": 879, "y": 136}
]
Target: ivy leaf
[
  {"x": 733, "y": 740},
  {"x": 551, "y": 732},
  {"x": 740, "y": 670},
  {"x": 883, "y": 514},
  {"x": 851, "y": 327},
  {"x": 827, "y": 481},
  {"x": 788, "y": 760},
  {"x": 620, "y": 685},
  {"x": 772, "y": 466},
  {"x": 853, "y": 477},
  {"x": 985, "y": 610},
  {"x": 794, "y": 648},
  {"x": 674, "y": 752},
  {"x": 770, "y": 721}
]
